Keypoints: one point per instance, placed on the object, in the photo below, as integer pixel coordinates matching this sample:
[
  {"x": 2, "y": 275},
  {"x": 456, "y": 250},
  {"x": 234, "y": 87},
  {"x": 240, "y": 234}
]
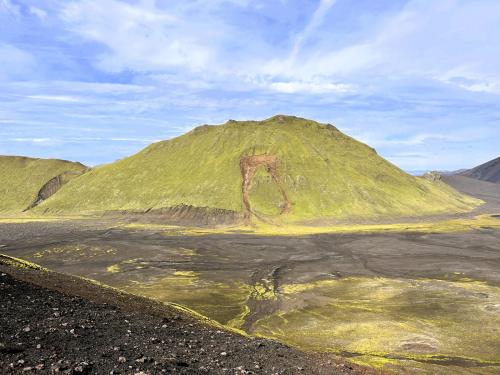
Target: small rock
[
  {"x": 27, "y": 329},
  {"x": 223, "y": 354},
  {"x": 26, "y": 369},
  {"x": 39, "y": 367},
  {"x": 432, "y": 176},
  {"x": 83, "y": 367},
  {"x": 122, "y": 359}
]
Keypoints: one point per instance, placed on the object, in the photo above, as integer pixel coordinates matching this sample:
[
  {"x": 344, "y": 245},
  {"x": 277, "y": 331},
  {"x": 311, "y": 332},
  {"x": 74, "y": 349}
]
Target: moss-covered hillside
[
  {"x": 22, "y": 178},
  {"x": 323, "y": 172}
]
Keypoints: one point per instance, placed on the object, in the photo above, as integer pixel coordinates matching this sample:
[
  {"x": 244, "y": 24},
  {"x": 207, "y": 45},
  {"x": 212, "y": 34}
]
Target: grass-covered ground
[
  {"x": 21, "y": 178},
  {"x": 324, "y": 173}
]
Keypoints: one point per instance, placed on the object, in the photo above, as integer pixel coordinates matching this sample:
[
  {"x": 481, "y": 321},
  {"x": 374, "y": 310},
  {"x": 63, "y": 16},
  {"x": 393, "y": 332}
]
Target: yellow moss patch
[
  {"x": 186, "y": 274},
  {"x": 443, "y": 226},
  {"x": 376, "y": 319},
  {"x": 22, "y": 220},
  {"x": 20, "y": 263},
  {"x": 113, "y": 268},
  {"x": 75, "y": 251},
  {"x": 223, "y": 302}
]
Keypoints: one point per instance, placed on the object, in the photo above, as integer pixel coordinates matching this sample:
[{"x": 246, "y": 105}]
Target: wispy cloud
[
  {"x": 142, "y": 39},
  {"x": 293, "y": 87},
  {"x": 311, "y": 27},
  {"x": 9, "y": 7},
  {"x": 40, "y": 13},
  {"x": 34, "y": 140},
  {"x": 56, "y": 98}
]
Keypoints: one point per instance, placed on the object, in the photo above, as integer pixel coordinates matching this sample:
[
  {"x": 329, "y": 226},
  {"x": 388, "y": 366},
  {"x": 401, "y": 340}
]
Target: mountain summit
[{"x": 284, "y": 166}]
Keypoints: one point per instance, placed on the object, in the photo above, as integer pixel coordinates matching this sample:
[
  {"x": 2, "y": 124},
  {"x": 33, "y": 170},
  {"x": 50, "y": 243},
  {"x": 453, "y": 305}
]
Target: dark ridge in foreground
[{"x": 77, "y": 327}]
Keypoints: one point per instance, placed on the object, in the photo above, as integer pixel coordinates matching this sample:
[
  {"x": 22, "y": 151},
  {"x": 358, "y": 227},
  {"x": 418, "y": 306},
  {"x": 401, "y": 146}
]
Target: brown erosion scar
[{"x": 249, "y": 165}]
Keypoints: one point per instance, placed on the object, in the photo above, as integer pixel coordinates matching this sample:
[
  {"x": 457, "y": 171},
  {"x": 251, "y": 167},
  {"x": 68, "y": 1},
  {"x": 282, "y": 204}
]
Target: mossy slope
[
  {"x": 324, "y": 173},
  {"x": 21, "y": 178}
]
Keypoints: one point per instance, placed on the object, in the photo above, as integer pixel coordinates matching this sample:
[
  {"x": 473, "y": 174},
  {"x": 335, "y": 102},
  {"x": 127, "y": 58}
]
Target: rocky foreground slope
[{"x": 77, "y": 327}]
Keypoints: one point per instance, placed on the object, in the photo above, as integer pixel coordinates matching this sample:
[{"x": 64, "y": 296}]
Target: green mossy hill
[
  {"x": 324, "y": 173},
  {"x": 21, "y": 179}
]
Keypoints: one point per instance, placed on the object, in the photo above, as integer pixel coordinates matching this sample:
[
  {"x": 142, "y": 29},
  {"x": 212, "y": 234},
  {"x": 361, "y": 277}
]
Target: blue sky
[{"x": 97, "y": 80}]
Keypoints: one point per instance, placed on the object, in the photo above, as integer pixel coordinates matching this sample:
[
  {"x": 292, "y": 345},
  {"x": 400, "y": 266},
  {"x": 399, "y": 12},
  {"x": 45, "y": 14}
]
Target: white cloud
[
  {"x": 144, "y": 37},
  {"x": 467, "y": 79},
  {"x": 420, "y": 139},
  {"x": 9, "y": 7},
  {"x": 62, "y": 140},
  {"x": 293, "y": 87},
  {"x": 488, "y": 87},
  {"x": 424, "y": 39},
  {"x": 40, "y": 13},
  {"x": 56, "y": 98},
  {"x": 34, "y": 140},
  {"x": 316, "y": 20}
]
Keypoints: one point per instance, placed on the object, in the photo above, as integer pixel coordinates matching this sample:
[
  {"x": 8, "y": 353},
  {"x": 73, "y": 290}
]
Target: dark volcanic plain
[{"x": 53, "y": 330}]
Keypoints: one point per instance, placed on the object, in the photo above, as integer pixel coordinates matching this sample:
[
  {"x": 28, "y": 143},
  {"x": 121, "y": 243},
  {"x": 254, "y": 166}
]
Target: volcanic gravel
[{"x": 45, "y": 331}]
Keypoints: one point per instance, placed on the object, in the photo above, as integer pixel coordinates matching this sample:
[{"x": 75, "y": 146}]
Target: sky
[{"x": 98, "y": 80}]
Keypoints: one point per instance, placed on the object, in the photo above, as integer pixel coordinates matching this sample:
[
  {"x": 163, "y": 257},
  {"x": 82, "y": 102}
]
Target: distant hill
[
  {"x": 25, "y": 182},
  {"x": 485, "y": 190},
  {"x": 489, "y": 171},
  {"x": 283, "y": 166}
]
